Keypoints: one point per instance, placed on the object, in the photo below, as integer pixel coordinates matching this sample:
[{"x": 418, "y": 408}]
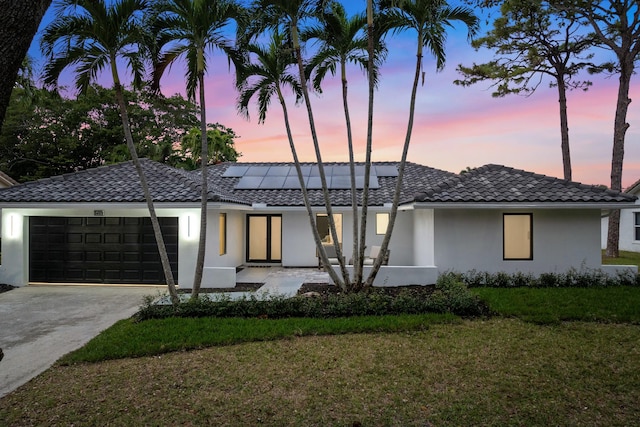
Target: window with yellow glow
[
  {"x": 223, "y": 233},
  {"x": 517, "y": 232},
  {"x": 382, "y": 221}
]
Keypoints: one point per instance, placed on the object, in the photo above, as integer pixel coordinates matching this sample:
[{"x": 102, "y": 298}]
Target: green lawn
[
  {"x": 625, "y": 258},
  {"x": 393, "y": 371},
  {"x": 553, "y": 305}
]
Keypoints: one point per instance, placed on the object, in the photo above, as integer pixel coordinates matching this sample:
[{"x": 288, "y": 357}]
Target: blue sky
[{"x": 454, "y": 127}]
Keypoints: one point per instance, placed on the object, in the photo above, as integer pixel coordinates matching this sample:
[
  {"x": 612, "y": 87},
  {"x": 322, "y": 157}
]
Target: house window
[
  {"x": 322, "y": 224},
  {"x": 517, "y": 234},
  {"x": 223, "y": 233},
  {"x": 382, "y": 221},
  {"x": 636, "y": 225}
]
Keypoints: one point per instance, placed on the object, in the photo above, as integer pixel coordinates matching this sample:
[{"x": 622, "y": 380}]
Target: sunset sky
[{"x": 455, "y": 127}]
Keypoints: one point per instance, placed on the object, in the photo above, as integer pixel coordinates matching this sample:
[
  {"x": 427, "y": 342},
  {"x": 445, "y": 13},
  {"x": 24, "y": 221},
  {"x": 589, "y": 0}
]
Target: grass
[
  {"x": 553, "y": 305},
  {"x": 625, "y": 258},
  {"x": 157, "y": 336},
  {"x": 392, "y": 371},
  {"x": 485, "y": 373}
]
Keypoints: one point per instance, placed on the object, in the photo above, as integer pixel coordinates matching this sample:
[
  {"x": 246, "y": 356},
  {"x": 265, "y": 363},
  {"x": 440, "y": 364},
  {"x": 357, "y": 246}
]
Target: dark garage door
[{"x": 99, "y": 250}]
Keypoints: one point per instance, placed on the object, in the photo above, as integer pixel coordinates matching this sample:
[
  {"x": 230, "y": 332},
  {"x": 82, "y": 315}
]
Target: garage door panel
[
  {"x": 112, "y": 256},
  {"x": 75, "y": 256},
  {"x": 99, "y": 250}
]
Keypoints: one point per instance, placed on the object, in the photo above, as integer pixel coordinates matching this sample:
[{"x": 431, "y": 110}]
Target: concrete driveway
[{"x": 40, "y": 324}]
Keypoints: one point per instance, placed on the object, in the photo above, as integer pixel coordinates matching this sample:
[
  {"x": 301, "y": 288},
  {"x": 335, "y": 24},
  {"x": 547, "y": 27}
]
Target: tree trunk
[
  {"x": 204, "y": 196},
  {"x": 316, "y": 146},
  {"x": 162, "y": 250},
  {"x": 357, "y": 278},
  {"x": 305, "y": 196},
  {"x": 367, "y": 163},
  {"x": 405, "y": 150},
  {"x": 19, "y": 22},
  {"x": 617, "y": 156},
  {"x": 564, "y": 129}
]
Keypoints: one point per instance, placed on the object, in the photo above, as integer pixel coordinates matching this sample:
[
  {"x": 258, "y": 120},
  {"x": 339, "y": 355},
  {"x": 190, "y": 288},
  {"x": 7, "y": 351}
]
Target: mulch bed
[
  {"x": 331, "y": 289},
  {"x": 240, "y": 287},
  {"x": 5, "y": 288}
]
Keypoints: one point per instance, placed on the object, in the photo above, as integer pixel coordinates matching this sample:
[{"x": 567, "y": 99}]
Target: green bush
[
  {"x": 451, "y": 295},
  {"x": 584, "y": 278}
]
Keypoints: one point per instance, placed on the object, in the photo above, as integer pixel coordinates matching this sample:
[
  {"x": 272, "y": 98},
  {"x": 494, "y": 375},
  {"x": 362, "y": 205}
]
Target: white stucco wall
[
  {"x": 627, "y": 230},
  {"x": 472, "y": 239},
  {"x": 299, "y": 249},
  {"x": 423, "y": 243}
]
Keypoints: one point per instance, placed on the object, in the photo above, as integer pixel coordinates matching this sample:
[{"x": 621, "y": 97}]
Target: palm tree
[
  {"x": 342, "y": 41},
  {"x": 193, "y": 28},
  {"x": 429, "y": 19},
  {"x": 265, "y": 77},
  {"x": 91, "y": 36},
  {"x": 289, "y": 14}
]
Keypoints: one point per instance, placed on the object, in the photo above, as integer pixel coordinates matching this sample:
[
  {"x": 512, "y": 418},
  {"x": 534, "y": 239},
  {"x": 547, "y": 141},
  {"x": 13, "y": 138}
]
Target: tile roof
[
  {"x": 488, "y": 184},
  {"x": 116, "y": 183},
  {"x": 501, "y": 184}
]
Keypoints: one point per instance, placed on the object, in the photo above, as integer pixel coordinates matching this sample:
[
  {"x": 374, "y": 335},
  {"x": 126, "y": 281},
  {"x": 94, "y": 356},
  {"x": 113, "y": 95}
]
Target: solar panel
[
  {"x": 340, "y": 182},
  {"x": 279, "y": 170},
  {"x": 291, "y": 183},
  {"x": 341, "y": 170},
  {"x": 286, "y": 177},
  {"x": 257, "y": 171},
  {"x": 386, "y": 170},
  {"x": 235, "y": 171},
  {"x": 272, "y": 182},
  {"x": 314, "y": 183},
  {"x": 249, "y": 182}
]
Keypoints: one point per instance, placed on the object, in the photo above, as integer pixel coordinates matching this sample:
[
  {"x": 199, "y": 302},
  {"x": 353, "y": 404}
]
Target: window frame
[
  {"x": 504, "y": 237},
  {"x": 636, "y": 226},
  {"x": 386, "y": 225}
]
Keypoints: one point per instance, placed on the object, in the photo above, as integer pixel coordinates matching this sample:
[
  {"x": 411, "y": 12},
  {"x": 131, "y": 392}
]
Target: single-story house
[
  {"x": 629, "y": 224},
  {"x": 92, "y": 226}
]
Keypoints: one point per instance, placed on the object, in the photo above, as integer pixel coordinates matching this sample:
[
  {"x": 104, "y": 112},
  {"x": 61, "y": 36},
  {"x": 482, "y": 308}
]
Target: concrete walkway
[
  {"x": 40, "y": 324},
  {"x": 280, "y": 280}
]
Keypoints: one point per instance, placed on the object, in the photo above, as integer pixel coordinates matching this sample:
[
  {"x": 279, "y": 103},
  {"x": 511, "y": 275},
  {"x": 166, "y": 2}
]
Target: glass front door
[{"x": 264, "y": 238}]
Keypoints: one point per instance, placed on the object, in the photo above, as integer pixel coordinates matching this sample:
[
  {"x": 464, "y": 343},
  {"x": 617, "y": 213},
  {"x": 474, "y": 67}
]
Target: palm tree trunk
[
  {"x": 617, "y": 157},
  {"x": 316, "y": 146},
  {"x": 367, "y": 164},
  {"x": 162, "y": 250},
  {"x": 204, "y": 196},
  {"x": 405, "y": 150},
  {"x": 357, "y": 278},
  {"x": 564, "y": 129},
  {"x": 305, "y": 196}
]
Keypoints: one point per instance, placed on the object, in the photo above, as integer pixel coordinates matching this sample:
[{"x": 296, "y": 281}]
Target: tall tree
[
  {"x": 193, "y": 28},
  {"x": 267, "y": 73},
  {"x": 19, "y": 23},
  {"x": 342, "y": 40},
  {"x": 430, "y": 20},
  {"x": 220, "y": 141},
  {"x": 89, "y": 36},
  {"x": 616, "y": 24},
  {"x": 289, "y": 15},
  {"x": 532, "y": 39}
]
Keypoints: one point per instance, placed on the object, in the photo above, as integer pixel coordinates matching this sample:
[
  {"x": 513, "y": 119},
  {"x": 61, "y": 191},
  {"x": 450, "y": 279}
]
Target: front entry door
[{"x": 264, "y": 238}]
